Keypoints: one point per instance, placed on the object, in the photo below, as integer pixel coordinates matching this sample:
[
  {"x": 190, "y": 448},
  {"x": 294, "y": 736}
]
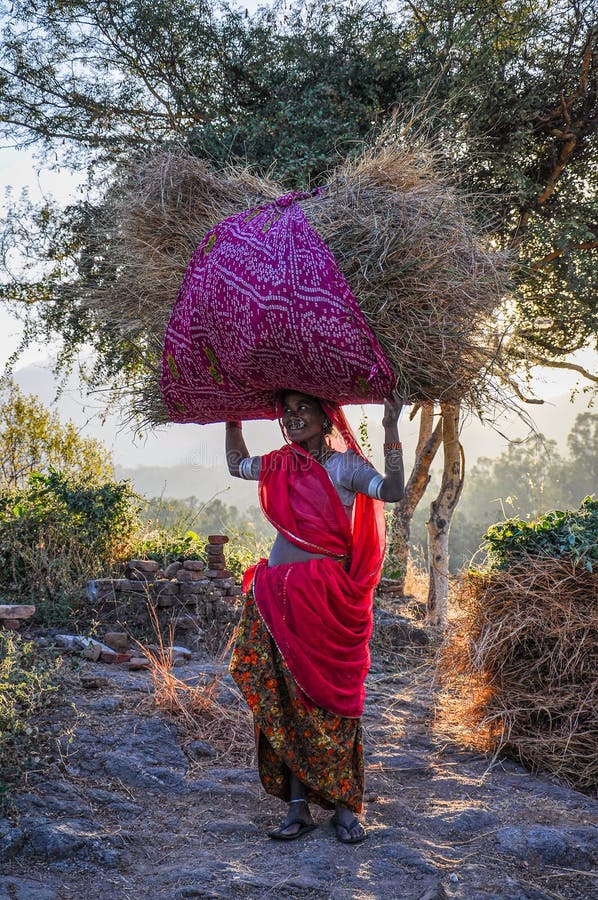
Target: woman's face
[{"x": 302, "y": 417}]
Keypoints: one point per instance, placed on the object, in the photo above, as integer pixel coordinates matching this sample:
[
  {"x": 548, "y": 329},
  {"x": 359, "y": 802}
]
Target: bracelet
[
  {"x": 393, "y": 445},
  {"x": 233, "y": 424}
]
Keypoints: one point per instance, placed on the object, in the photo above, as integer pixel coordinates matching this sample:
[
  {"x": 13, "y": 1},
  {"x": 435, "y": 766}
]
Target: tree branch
[
  {"x": 587, "y": 245},
  {"x": 557, "y": 364}
]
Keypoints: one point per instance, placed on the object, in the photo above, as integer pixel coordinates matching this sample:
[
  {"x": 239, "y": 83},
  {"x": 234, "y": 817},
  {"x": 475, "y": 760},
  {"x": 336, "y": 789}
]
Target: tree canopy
[
  {"x": 505, "y": 90},
  {"x": 33, "y": 439}
]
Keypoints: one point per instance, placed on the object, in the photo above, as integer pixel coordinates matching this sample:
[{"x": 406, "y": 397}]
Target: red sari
[{"x": 302, "y": 652}]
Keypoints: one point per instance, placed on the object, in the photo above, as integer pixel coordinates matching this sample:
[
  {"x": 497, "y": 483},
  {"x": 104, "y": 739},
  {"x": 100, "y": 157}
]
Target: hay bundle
[
  {"x": 519, "y": 671},
  {"x": 403, "y": 238}
]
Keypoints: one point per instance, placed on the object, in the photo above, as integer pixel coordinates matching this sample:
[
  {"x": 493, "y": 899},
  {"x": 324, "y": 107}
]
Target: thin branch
[
  {"x": 521, "y": 396},
  {"x": 587, "y": 245},
  {"x": 556, "y": 364}
]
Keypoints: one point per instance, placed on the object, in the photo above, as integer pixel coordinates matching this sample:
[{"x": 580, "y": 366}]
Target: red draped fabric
[{"x": 319, "y": 612}]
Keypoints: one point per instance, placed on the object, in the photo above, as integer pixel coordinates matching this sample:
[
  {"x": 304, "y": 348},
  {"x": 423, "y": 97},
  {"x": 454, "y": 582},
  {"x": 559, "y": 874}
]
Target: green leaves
[{"x": 572, "y": 533}]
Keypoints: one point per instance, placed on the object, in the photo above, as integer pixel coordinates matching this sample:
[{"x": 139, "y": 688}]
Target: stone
[
  {"x": 16, "y": 611},
  {"x": 117, "y": 640},
  {"x": 11, "y": 839},
  {"x": 129, "y": 584},
  {"x": 143, "y": 565},
  {"x": 213, "y": 573},
  {"x": 11, "y": 624},
  {"x": 194, "y": 565},
  {"x": 177, "y": 650},
  {"x": 235, "y": 591},
  {"x": 165, "y": 601},
  {"x": 224, "y": 582},
  {"x": 201, "y": 750},
  {"x": 16, "y": 888},
  {"x": 93, "y": 682},
  {"x": 217, "y": 539},
  {"x": 93, "y": 652},
  {"x": 136, "y": 663},
  {"x": 543, "y": 842},
  {"x": 60, "y": 840},
  {"x": 184, "y": 576},
  {"x": 171, "y": 570}
]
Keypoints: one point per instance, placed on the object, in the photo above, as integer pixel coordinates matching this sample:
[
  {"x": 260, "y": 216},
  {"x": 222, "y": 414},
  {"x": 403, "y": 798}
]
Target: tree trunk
[
  {"x": 441, "y": 513},
  {"x": 428, "y": 443}
]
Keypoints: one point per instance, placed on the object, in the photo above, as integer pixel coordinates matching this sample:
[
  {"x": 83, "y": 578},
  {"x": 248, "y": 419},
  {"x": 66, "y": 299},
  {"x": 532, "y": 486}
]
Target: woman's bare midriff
[{"x": 284, "y": 551}]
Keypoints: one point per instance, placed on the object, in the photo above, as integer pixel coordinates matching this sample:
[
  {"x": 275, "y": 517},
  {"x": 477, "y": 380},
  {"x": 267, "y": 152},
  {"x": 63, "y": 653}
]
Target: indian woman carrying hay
[{"x": 302, "y": 651}]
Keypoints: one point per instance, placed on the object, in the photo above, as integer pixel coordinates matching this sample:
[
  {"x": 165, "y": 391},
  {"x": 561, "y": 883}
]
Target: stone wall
[{"x": 189, "y": 597}]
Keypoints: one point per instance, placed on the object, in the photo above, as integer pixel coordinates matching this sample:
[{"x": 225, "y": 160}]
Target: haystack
[
  {"x": 405, "y": 241},
  {"x": 519, "y": 669}
]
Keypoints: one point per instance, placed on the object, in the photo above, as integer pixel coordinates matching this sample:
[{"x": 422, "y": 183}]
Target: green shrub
[
  {"x": 166, "y": 546},
  {"x": 58, "y": 532},
  {"x": 27, "y": 685},
  {"x": 571, "y": 533}
]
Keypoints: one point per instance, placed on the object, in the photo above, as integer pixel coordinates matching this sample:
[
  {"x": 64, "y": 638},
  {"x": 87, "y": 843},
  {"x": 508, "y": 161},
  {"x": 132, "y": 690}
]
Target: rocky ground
[{"x": 131, "y": 807}]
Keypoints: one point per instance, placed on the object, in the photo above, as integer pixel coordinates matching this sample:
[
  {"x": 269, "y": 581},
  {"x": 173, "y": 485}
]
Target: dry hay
[
  {"x": 519, "y": 670},
  {"x": 404, "y": 239}
]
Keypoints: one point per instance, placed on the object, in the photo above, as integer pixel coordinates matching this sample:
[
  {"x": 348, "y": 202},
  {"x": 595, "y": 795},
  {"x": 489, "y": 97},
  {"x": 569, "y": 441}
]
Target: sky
[{"x": 202, "y": 445}]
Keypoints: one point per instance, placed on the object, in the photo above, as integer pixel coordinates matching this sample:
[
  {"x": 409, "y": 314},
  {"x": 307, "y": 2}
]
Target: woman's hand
[{"x": 392, "y": 411}]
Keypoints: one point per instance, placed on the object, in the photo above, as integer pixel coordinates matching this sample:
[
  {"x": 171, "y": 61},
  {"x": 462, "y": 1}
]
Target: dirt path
[{"x": 125, "y": 813}]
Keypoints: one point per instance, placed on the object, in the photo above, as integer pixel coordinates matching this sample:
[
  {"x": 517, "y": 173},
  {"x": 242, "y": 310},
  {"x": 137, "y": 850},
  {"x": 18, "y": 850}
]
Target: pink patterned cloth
[{"x": 264, "y": 306}]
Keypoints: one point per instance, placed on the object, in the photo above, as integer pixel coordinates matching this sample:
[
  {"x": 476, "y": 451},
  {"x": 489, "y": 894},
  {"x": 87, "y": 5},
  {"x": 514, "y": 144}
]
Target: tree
[
  {"x": 33, "y": 439},
  {"x": 508, "y": 89}
]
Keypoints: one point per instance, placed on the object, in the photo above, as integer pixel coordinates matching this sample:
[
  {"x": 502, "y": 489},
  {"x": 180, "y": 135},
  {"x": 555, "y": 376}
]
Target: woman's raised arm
[
  {"x": 393, "y": 486},
  {"x": 235, "y": 447}
]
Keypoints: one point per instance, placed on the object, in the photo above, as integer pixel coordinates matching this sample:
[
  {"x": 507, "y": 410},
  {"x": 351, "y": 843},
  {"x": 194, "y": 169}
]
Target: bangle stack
[{"x": 392, "y": 445}]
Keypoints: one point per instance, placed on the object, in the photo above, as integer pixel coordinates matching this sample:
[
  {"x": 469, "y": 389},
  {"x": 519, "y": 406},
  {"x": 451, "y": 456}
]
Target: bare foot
[
  {"x": 349, "y": 830},
  {"x": 298, "y": 821}
]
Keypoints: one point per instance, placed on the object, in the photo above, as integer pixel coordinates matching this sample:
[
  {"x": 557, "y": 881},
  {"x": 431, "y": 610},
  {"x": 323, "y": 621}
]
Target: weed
[{"x": 27, "y": 685}]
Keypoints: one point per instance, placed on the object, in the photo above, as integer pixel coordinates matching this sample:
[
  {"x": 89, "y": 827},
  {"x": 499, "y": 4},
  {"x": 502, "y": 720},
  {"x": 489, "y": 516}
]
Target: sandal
[
  {"x": 279, "y": 835},
  {"x": 354, "y": 823}
]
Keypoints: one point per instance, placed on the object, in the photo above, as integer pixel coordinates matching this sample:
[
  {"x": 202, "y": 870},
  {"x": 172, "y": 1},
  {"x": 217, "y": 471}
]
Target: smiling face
[{"x": 302, "y": 418}]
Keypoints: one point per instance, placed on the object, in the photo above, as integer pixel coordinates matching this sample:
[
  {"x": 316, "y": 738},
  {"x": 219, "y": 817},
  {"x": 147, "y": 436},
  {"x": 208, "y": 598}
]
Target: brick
[
  {"x": 165, "y": 601},
  {"x": 164, "y": 588},
  {"x": 235, "y": 591},
  {"x": 184, "y": 575},
  {"x": 143, "y": 565},
  {"x": 223, "y": 582},
  {"x": 171, "y": 570},
  {"x": 11, "y": 624},
  {"x": 194, "y": 565},
  {"x": 117, "y": 640},
  {"x": 214, "y": 573},
  {"x": 129, "y": 584},
  {"x": 16, "y": 611},
  {"x": 217, "y": 539},
  {"x": 108, "y": 656}
]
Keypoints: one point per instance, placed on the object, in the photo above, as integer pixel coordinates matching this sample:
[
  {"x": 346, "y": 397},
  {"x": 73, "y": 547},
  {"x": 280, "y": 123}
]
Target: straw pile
[
  {"x": 405, "y": 241},
  {"x": 519, "y": 671}
]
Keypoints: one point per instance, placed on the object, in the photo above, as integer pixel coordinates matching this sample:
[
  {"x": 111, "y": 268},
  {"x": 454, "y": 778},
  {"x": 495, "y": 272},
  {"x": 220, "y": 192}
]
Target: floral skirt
[{"x": 323, "y": 750}]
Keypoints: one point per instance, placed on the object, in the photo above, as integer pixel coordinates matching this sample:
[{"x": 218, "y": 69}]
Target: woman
[{"x": 302, "y": 651}]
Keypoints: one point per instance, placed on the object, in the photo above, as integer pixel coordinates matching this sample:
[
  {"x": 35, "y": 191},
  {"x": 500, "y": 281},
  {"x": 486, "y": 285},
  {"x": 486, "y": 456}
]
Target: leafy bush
[
  {"x": 166, "y": 547},
  {"x": 27, "y": 684},
  {"x": 58, "y": 532},
  {"x": 571, "y": 533}
]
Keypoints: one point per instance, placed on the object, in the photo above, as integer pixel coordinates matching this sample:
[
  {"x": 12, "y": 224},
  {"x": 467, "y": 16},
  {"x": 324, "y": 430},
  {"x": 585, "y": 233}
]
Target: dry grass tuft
[
  {"x": 196, "y": 709},
  {"x": 518, "y": 671},
  {"x": 404, "y": 238}
]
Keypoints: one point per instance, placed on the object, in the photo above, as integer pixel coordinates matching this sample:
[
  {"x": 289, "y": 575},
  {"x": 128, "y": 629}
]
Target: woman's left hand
[{"x": 392, "y": 411}]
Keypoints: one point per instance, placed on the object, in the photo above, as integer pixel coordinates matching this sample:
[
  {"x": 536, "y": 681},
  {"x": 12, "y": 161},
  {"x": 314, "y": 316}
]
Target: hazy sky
[{"x": 178, "y": 444}]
